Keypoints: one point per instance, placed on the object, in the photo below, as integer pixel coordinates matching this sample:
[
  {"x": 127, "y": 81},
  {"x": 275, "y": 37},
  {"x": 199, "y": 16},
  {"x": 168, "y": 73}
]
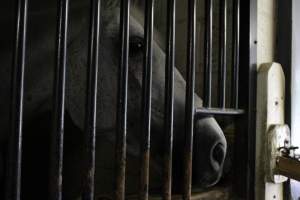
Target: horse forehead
[
  {"x": 113, "y": 21},
  {"x": 136, "y": 25}
]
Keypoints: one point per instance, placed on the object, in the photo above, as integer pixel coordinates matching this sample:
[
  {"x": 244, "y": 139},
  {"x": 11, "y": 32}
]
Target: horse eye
[{"x": 136, "y": 45}]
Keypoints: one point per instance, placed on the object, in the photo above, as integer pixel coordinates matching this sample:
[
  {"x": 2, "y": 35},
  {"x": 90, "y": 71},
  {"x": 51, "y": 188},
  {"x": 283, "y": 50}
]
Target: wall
[{"x": 295, "y": 88}]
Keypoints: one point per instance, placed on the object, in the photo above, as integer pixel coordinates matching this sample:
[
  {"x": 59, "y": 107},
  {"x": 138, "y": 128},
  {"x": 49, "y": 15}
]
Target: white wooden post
[{"x": 270, "y": 111}]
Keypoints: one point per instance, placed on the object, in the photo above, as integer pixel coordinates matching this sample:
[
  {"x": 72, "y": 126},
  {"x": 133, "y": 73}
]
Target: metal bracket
[{"x": 278, "y": 144}]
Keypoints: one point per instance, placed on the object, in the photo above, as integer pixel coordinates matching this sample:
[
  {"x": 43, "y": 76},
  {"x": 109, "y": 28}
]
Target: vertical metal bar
[
  {"x": 122, "y": 102},
  {"x": 223, "y": 53},
  {"x": 146, "y": 100},
  {"x": 189, "y": 100},
  {"x": 169, "y": 100},
  {"x": 208, "y": 52},
  {"x": 56, "y": 157},
  {"x": 91, "y": 99},
  {"x": 236, "y": 54},
  {"x": 13, "y": 184}
]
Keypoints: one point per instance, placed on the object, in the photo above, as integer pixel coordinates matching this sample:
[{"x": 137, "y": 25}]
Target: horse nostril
[{"x": 218, "y": 154}]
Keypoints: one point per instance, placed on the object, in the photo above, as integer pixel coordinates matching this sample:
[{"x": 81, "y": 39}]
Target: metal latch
[
  {"x": 283, "y": 162},
  {"x": 289, "y": 163}
]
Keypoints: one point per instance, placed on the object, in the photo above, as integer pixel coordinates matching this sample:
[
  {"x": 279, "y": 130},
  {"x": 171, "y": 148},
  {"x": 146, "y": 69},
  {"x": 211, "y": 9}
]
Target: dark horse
[{"x": 209, "y": 142}]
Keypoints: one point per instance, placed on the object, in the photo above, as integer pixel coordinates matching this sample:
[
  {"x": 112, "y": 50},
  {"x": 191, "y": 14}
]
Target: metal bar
[
  {"x": 122, "y": 102},
  {"x": 223, "y": 53},
  {"x": 217, "y": 111},
  {"x": 236, "y": 54},
  {"x": 189, "y": 103},
  {"x": 169, "y": 100},
  {"x": 91, "y": 99},
  {"x": 208, "y": 52},
  {"x": 56, "y": 156},
  {"x": 146, "y": 100},
  {"x": 13, "y": 184},
  {"x": 288, "y": 167}
]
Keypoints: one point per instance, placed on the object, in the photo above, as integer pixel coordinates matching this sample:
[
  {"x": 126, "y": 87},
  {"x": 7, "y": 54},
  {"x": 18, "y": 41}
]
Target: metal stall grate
[{"x": 55, "y": 191}]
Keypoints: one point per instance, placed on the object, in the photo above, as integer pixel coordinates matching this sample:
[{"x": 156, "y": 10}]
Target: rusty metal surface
[
  {"x": 189, "y": 103},
  {"x": 91, "y": 100},
  {"x": 169, "y": 100},
  {"x": 146, "y": 99}
]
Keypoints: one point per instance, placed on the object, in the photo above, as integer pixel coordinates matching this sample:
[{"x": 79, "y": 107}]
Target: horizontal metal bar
[
  {"x": 146, "y": 100},
  {"x": 218, "y": 111},
  {"x": 288, "y": 167}
]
